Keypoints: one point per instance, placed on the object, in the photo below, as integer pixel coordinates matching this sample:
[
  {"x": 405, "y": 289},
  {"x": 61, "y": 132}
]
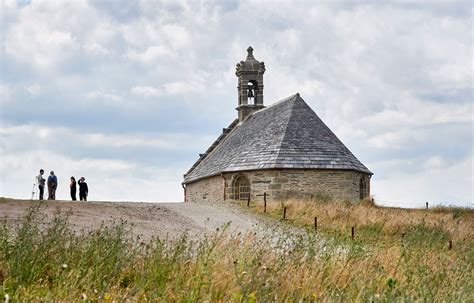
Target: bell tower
[{"x": 250, "y": 85}]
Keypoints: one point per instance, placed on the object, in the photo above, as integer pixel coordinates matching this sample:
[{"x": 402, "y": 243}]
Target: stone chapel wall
[
  {"x": 208, "y": 189},
  {"x": 298, "y": 183},
  {"x": 282, "y": 184}
]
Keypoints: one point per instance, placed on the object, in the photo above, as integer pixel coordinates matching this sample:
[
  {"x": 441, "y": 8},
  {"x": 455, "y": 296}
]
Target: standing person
[
  {"x": 83, "y": 189},
  {"x": 73, "y": 188},
  {"x": 52, "y": 185},
  {"x": 41, "y": 182}
]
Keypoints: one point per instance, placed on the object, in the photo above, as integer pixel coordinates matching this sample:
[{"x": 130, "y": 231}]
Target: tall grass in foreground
[{"x": 46, "y": 261}]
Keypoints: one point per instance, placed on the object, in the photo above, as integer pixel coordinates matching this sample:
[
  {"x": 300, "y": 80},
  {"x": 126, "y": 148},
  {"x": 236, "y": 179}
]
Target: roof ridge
[
  {"x": 295, "y": 98},
  {"x": 276, "y": 103}
]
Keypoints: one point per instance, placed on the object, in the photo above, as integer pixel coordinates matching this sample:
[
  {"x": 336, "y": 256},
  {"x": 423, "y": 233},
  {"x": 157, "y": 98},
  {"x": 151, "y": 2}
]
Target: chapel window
[
  {"x": 241, "y": 188},
  {"x": 363, "y": 189}
]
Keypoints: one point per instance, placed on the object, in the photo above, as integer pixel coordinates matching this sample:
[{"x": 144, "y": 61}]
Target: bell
[{"x": 250, "y": 93}]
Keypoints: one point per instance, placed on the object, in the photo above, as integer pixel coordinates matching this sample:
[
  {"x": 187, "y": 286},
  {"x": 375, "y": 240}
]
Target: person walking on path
[
  {"x": 73, "y": 188},
  {"x": 83, "y": 189},
  {"x": 41, "y": 182},
  {"x": 52, "y": 185}
]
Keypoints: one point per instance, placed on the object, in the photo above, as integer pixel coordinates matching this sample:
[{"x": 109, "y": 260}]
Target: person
[
  {"x": 41, "y": 182},
  {"x": 83, "y": 189},
  {"x": 73, "y": 188},
  {"x": 52, "y": 185}
]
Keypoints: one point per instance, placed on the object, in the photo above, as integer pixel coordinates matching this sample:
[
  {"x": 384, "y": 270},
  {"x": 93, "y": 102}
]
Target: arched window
[
  {"x": 241, "y": 188},
  {"x": 252, "y": 88},
  {"x": 363, "y": 190}
]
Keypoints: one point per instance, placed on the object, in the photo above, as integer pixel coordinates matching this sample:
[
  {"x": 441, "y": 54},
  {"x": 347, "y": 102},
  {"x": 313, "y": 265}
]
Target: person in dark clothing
[
  {"x": 83, "y": 189},
  {"x": 52, "y": 185},
  {"x": 73, "y": 188},
  {"x": 41, "y": 182}
]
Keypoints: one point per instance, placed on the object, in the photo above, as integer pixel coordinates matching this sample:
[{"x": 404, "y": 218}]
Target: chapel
[{"x": 283, "y": 151}]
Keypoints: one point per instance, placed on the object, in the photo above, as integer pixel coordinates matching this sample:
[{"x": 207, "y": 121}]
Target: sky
[{"x": 128, "y": 93}]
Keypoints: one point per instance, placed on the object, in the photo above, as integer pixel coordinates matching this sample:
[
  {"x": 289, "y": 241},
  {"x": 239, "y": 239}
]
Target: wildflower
[
  {"x": 64, "y": 266},
  {"x": 6, "y": 298}
]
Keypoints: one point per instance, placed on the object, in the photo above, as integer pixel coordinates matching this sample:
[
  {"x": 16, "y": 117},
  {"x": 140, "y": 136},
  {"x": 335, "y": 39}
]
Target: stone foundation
[{"x": 282, "y": 184}]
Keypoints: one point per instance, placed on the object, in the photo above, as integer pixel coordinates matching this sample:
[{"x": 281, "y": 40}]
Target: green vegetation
[{"x": 45, "y": 260}]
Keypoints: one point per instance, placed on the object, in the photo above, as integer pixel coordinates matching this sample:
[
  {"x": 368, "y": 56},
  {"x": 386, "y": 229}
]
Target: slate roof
[{"x": 287, "y": 134}]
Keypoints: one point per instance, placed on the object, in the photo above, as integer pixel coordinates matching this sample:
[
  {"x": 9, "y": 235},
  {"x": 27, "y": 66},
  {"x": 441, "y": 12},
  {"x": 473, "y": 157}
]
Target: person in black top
[
  {"x": 83, "y": 190},
  {"x": 73, "y": 188}
]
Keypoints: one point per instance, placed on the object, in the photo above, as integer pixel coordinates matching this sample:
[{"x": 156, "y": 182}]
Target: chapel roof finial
[{"x": 250, "y": 52}]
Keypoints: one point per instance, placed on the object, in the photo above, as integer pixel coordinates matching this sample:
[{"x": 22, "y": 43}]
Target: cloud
[
  {"x": 104, "y": 96},
  {"x": 96, "y": 49},
  {"x": 150, "y": 55},
  {"x": 21, "y": 137},
  {"x": 194, "y": 85},
  {"x": 33, "y": 89},
  {"x": 5, "y": 93},
  {"x": 40, "y": 45},
  {"x": 181, "y": 87},
  {"x": 146, "y": 91}
]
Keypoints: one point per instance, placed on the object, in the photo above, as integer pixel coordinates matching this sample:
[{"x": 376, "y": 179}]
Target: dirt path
[{"x": 148, "y": 219}]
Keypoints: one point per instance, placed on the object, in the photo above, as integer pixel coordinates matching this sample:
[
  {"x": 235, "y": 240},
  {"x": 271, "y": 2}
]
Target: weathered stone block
[
  {"x": 280, "y": 180},
  {"x": 274, "y": 186}
]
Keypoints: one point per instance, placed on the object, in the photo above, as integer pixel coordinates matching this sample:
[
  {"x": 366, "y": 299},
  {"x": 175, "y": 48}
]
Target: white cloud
[
  {"x": 434, "y": 163},
  {"x": 40, "y": 45},
  {"x": 150, "y": 55},
  {"x": 177, "y": 36},
  {"x": 37, "y": 136},
  {"x": 103, "y": 96},
  {"x": 5, "y": 93},
  {"x": 33, "y": 89},
  {"x": 146, "y": 91},
  {"x": 95, "y": 49},
  {"x": 183, "y": 87},
  {"x": 193, "y": 85}
]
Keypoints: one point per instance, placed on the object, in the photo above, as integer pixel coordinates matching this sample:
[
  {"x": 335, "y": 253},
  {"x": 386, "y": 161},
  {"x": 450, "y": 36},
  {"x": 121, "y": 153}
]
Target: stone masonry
[
  {"x": 208, "y": 189},
  {"x": 282, "y": 184}
]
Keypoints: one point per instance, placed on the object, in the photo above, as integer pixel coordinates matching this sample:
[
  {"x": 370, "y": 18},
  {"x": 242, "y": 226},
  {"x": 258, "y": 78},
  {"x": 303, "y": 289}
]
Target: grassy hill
[{"x": 396, "y": 254}]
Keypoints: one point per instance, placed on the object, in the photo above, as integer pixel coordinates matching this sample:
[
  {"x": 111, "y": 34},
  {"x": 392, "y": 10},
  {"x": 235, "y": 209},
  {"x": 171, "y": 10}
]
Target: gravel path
[{"x": 148, "y": 219}]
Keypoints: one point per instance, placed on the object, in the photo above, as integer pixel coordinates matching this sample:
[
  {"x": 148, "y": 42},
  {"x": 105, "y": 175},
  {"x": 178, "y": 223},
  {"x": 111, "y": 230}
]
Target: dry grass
[
  {"x": 339, "y": 217},
  {"x": 399, "y": 246},
  {"x": 54, "y": 264}
]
